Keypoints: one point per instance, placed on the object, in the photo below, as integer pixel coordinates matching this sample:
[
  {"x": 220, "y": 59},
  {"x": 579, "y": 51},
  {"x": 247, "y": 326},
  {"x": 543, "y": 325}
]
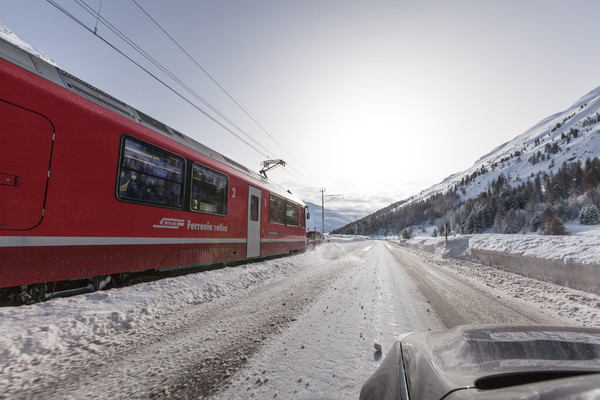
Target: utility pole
[
  {"x": 333, "y": 196},
  {"x": 322, "y": 190}
]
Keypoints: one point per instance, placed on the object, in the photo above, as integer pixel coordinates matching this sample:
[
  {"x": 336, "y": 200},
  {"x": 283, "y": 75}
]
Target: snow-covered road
[
  {"x": 329, "y": 351},
  {"x": 296, "y": 327},
  {"x": 384, "y": 291}
]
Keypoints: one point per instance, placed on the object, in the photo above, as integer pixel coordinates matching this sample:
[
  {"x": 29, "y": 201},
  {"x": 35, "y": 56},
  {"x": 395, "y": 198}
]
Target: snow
[
  {"x": 572, "y": 261},
  {"x": 40, "y": 336},
  {"x": 11, "y": 37},
  {"x": 332, "y": 347},
  {"x": 575, "y": 249},
  {"x": 35, "y": 334}
]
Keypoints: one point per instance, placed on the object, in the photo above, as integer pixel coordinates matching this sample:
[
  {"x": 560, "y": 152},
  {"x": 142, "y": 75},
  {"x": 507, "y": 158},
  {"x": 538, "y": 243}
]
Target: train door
[
  {"x": 25, "y": 149},
  {"x": 254, "y": 201}
]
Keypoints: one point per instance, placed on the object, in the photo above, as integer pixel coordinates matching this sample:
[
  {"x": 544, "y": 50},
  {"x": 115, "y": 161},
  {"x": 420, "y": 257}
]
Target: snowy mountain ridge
[
  {"x": 570, "y": 135},
  {"x": 333, "y": 220}
]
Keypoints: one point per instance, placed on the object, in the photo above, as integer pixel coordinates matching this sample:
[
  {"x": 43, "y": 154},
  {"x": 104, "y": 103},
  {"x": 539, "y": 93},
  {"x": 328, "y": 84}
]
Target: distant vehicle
[
  {"x": 315, "y": 238},
  {"x": 490, "y": 362},
  {"x": 93, "y": 190}
]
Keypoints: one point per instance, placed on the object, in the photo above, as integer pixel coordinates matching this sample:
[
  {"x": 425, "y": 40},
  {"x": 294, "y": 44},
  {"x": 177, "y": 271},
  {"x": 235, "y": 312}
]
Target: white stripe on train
[{"x": 48, "y": 241}]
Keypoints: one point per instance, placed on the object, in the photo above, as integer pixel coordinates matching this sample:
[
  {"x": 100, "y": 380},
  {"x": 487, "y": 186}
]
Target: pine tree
[
  {"x": 589, "y": 215},
  {"x": 554, "y": 226},
  {"x": 511, "y": 223},
  {"x": 536, "y": 222},
  {"x": 498, "y": 222}
]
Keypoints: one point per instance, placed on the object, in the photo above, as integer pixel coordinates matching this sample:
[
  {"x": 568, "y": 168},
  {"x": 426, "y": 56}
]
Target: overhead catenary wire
[
  {"x": 98, "y": 19},
  {"x": 216, "y": 83},
  {"x": 147, "y": 56},
  {"x": 162, "y": 82}
]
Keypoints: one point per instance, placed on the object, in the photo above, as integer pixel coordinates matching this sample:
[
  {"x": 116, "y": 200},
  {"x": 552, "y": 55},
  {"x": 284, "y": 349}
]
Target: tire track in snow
[
  {"x": 329, "y": 351},
  {"x": 458, "y": 301}
]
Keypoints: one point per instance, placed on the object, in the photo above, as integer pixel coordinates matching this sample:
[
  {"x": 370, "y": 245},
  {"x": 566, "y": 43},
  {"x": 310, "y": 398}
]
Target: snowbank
[
  {"x": 579, "y": 276},
  {"x": 348, "y": 238},
  {"x": 455, "y": 247},
  {"x": 563, "y": 249},
  {"x": 31, "y": 335},
  {"x": 571, "y": 261}
]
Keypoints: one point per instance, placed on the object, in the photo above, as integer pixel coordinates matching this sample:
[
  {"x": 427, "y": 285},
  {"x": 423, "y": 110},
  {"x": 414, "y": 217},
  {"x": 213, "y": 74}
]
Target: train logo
[{"x": 170, "y": 223}]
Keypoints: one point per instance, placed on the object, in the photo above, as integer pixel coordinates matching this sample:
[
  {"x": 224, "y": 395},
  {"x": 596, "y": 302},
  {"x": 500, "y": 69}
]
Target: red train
[{"x": 93, "y": 190}]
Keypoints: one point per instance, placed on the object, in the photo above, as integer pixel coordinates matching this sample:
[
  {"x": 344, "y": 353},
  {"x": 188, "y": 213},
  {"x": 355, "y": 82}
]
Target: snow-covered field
[{"x": 295, "y": 327}]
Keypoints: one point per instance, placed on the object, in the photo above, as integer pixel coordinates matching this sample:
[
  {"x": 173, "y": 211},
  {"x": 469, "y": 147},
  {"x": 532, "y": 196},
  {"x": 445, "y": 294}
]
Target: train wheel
[
  {"x": 120, "y": 280},
  {"x": 93, "y": 283},
  {"x": 33, "y": 293},
  {"x": 8, "y": 296}
]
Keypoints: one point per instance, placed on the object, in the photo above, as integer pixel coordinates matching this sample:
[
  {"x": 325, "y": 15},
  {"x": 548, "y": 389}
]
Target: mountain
[
  {"x": 567, "y": 138},
  {"x": 333, "y": 220},
  {"x": 574, "y": 131}
]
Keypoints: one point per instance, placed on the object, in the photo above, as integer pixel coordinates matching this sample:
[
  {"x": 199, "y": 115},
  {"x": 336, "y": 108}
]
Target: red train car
[{"x": 92, "y": 189}]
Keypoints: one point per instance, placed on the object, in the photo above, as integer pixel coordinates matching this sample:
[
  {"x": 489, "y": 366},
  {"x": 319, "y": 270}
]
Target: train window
[
  {"x": 276, "y": 209},
  {"x": 149, "y": 174},
  {"x": 291, "y": 213},
  {"x": 209, "y": 190},
  {"x": 254, "y": 204},
  {"x": 282, "y": 211},
  {"x": 303, "y": 217}
]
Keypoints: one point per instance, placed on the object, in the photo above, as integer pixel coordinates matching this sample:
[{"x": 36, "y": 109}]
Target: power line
[
  {"x": 98, "y": 19},
  {"x": 216, "y": 83},
  {"x": 63, "y": 10},
  {"x": 157, "y": 64},
  {"x": 146, "y": 55},
  {"x": 197, "y": 64}
]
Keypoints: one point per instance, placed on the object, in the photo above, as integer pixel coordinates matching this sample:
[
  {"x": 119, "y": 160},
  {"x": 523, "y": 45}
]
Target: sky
[{"x": 372, "y": 100}]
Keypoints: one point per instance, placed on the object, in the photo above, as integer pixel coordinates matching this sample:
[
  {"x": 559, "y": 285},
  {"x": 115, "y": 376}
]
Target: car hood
[{"x": 491, "y": 358}]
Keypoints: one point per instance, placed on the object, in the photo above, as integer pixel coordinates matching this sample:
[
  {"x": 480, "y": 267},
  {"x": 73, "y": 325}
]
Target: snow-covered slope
[{"x": 570, "y": 135}]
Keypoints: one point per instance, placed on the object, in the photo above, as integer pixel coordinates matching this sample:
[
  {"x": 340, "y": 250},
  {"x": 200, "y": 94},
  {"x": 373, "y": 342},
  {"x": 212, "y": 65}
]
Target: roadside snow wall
[
  {"x": 571, "y": 261},
  {"x": 456, "y": 247}
]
